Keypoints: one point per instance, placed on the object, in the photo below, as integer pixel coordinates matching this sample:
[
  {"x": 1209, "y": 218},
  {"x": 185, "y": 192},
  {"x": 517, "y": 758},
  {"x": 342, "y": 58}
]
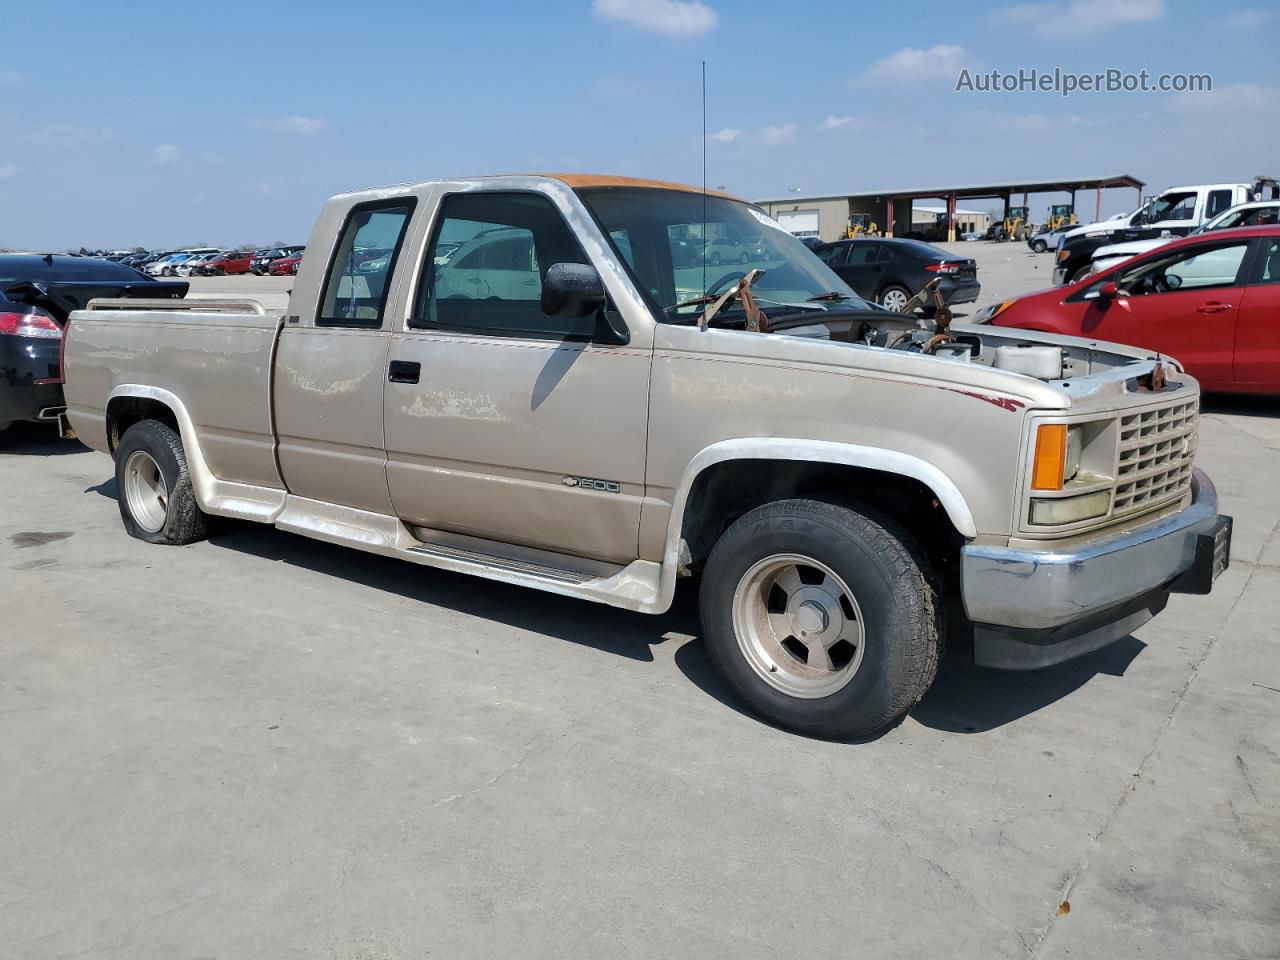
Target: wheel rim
[
  {"x": 798, "y": 625},
  {"x": 145, "y": 492},
  {"x": 893, "y": 299}
]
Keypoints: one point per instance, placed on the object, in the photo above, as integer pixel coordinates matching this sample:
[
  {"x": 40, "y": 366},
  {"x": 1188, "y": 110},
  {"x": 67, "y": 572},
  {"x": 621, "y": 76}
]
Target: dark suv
[{"x": 890, "y": 271}]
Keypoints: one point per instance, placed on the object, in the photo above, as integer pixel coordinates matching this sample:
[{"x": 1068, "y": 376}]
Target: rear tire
[
  {"x": 861, "y": 590},
  {"x": 894, "y": 297},
  {"x": 1039, "y": 246},
  {"x": 153, "y": 485}
]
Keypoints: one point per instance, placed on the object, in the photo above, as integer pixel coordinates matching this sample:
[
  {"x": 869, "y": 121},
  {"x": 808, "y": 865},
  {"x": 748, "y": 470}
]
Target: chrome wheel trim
[
  {"x": 894, "y": 300},
  {"x": 798, "y": 625},
  {"x": 145, "y": 491}
]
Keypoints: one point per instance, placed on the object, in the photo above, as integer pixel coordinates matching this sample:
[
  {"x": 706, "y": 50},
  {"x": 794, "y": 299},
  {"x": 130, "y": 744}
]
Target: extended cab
[{"x": 544, "y": 382}]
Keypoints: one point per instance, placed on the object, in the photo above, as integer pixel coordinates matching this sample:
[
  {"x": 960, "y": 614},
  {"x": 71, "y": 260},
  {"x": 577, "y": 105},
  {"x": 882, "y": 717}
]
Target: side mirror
[
  {"x": 1108, "y": 291},
  {"x": 572, "y": 290}
]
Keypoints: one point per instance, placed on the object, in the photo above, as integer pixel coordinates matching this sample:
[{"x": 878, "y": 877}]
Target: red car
[
  {"x": 226, "y": 264},
  {"x": 285, "y": 266},
  {"x": 1211, "y": 301}
]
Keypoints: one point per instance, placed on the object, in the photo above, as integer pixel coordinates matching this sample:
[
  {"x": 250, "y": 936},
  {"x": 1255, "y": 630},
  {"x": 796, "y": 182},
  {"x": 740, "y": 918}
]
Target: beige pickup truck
[{"x": 596, "y": 386}]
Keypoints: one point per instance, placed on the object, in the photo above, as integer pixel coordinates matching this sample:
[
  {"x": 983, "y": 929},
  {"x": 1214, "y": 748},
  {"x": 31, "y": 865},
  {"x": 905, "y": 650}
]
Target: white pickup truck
[
  {"x": 1255, "y": 213},
  {"x": 545, "y": 380},
  {"x": 1175, "y": 212}
]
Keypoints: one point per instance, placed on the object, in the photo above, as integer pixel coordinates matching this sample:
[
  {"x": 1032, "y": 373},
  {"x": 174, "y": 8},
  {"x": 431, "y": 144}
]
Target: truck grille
[{"x": 1157, "y": 452}]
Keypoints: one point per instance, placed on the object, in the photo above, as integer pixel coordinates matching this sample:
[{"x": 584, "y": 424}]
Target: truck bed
[{"x": 216, "y": 355}]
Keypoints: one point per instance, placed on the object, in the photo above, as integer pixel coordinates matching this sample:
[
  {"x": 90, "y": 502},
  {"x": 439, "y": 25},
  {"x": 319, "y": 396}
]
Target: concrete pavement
[{"x": 263, "y": 747}]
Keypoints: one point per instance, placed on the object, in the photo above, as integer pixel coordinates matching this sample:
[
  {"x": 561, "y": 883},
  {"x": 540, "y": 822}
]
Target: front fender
[{"x": 811, "y": 451}]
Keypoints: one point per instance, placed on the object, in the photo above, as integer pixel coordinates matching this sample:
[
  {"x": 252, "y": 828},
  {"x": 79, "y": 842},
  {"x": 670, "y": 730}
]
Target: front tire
[
  {"x": 153, "y": 485},
  {"x": 824, "y": 619},
  {"x": 1039, "y": 246}
]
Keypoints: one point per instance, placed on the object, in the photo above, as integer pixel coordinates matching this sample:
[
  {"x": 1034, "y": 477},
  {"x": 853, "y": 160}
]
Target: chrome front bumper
[{"x": 1031, "y": 608}]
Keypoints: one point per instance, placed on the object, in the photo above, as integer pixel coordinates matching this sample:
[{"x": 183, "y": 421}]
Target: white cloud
[
  {"x": 8, "y": 170},
  {"x": 262, "y": 189},
  {"x": 1231, "y": 98},
  {"x": 783, "y": 133},
  {"x": 166, "y": 155},
  {"x": 66, "y": 134},
  {"x": 832, "y": 122},
  {"x": 293, "y": 123},
  {"x": 910, "y": 65},
  {"x": 675, "y": 18},
  {"x": 1076, "y": 18},
  {"x": 1251, "y": 19},
  {"x": 1030, "y": 122},
  {"x": 727, "y": 135}
]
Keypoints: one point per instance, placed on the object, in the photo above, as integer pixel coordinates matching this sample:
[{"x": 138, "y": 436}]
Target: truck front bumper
[{"x": 1032, "y": 608}]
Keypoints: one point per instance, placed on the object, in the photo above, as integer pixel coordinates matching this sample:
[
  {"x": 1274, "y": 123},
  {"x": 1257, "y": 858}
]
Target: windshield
[{"x": 677, "y": 258}]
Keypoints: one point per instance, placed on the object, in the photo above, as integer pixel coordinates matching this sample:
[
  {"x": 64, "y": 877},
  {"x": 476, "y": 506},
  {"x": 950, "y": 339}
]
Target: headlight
[
  {"x": 1070, "y": 509},
  {"x": 987, "y": 314}
]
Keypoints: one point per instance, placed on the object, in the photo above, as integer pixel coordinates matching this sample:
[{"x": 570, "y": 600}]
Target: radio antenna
[{"x": 704, "y": 177}]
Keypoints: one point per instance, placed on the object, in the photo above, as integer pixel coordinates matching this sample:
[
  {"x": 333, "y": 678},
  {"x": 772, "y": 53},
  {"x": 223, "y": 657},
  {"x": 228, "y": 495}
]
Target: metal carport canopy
[{"x": 970, "y": 191}]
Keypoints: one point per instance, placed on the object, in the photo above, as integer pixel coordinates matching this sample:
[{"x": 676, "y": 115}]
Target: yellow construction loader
[
  {"x": 861, "y": 225},
  {"x": 1015, "y": 226},
  {"x": 1060, "y": 215}
]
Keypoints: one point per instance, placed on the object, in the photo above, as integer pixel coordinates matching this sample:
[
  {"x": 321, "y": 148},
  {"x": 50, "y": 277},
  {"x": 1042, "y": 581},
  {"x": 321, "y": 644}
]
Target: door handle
[
  {"x": 1213, "y": 306},
  {"x": 404, "y": 371}
]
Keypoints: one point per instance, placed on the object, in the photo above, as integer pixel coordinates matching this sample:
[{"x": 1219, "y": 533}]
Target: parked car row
[{"x": 201, "y": 261}]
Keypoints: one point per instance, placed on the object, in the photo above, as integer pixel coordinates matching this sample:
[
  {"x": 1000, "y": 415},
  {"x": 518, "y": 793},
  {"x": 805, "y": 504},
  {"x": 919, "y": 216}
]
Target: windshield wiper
[{"x": 830, "y": 296}]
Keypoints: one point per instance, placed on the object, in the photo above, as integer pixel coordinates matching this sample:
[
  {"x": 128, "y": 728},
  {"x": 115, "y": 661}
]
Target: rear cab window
[{"x": 359, "y": 276}]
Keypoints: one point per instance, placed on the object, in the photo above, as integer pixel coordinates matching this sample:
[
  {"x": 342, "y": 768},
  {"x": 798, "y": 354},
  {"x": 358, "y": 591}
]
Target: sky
[{"x": 192, "y": 123}]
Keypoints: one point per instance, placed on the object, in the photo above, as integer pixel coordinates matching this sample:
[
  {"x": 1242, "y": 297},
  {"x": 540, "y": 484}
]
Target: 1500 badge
[{"x": 590, "y": 483}]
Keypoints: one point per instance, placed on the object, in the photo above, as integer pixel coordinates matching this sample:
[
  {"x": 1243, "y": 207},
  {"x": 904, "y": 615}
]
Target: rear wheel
[
  {"x": 894, "y": 297},
  {"x": 824, "y": 619},
  {"x": 153, "y": 484},
  {"x": 1039, "y": 246}
]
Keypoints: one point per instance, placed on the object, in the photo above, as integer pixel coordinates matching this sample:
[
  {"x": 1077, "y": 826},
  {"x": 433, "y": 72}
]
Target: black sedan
[
  {"x": 890, "y": 270},
  {"x": 36, "y": 296}
]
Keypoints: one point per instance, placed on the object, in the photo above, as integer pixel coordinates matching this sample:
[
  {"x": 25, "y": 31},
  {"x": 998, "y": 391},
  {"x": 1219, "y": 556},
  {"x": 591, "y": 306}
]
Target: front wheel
[
  {"x": 824, "y": 619},
  {"x": 1039, "y": 246},
  {"x": 153, "y": 484}
]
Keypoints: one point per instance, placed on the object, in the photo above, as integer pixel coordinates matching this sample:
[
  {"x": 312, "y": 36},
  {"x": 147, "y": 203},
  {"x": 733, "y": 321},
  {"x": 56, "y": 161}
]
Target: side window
[
  {"x": 1197, "y": 269},
  {"x": 486, "y": 264},
  {"x": 885, "y": 255},
  {"x": 1218, "y": 201},
  {"x": 355, "y": 291},
  {"x": 1185, "y": 209},
  {"x": 833, "y": 255},
  {"x": 863, "y": 252}
]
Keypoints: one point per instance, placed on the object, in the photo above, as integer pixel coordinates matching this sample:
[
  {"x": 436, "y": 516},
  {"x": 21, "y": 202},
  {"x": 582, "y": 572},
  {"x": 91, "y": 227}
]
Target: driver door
[
  {"x": 1183, "y": 304},
  {"x": 502, "y": 422}
]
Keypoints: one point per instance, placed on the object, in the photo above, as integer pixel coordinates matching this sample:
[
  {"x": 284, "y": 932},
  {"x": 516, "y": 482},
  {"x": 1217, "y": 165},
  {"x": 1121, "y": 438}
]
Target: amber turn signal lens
[{"x": 1051, "y": 457}]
